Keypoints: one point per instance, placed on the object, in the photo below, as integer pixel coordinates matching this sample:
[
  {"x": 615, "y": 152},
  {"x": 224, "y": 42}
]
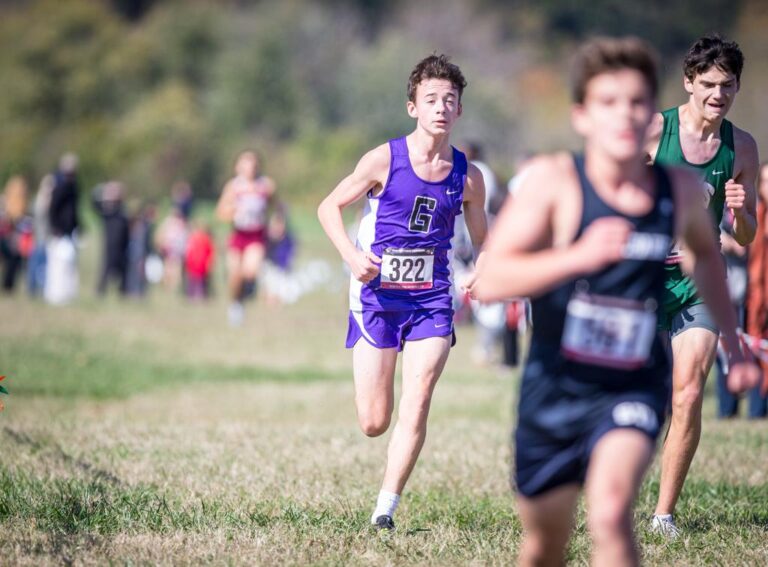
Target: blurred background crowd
[
  {"x": 40, "y": 234},
  {"x": 121, "y": 121}
]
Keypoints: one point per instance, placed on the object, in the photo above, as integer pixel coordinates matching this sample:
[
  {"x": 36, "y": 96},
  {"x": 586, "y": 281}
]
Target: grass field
[{"x": 143, "y": 433}]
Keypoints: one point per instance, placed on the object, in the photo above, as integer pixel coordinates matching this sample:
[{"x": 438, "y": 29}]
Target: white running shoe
[
  {"x": 236, "y": 314},
  {"x": 664, "y": 524}
]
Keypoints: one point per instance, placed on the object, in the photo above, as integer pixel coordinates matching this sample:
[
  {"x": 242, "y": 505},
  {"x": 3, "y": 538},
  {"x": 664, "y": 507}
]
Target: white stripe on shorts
[{"x": 358, "y": 315}]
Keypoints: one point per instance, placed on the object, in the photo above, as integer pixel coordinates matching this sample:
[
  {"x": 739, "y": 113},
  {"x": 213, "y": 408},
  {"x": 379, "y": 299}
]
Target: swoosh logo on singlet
[
  {"x": 452, "y": 192},
  {"x": 717, "y": 172}
]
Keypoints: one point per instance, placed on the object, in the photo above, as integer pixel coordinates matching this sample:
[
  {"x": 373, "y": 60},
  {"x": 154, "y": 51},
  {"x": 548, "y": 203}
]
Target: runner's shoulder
[
  {"x": 656, "y": 127},
  {"x": 229, "y": 187},
  {"x": 474, "y": 174},
  {"x": 378, "y": 157},
  {"x": 269, "y": 185},
  {"x": 653, "y": 134},
  {"x": 545, "y": 175},
  {"x": 375, "y": 163},
  {"x": 744, "y": 143}
]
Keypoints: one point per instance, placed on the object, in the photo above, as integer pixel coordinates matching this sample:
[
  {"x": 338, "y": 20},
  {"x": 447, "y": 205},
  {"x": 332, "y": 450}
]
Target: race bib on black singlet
[
  {"x": 407, "y": 268},
  {"x": 609, "y": 331},
  {"x": 675, "y": 254}
]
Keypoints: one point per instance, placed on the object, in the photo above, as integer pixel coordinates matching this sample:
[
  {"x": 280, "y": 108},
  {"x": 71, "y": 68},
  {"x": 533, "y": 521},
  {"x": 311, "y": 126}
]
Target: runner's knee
[
  {"x": 540, "y": 549},
  {"x": 374, "y": 426},
  {"x": 688, "y": 398},
  {"x": 609, "y": 515},
  {"x": 374, "y": 420}
]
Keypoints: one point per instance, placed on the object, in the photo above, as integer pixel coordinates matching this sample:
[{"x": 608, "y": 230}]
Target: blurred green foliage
[{"x": 154, "y": 91}]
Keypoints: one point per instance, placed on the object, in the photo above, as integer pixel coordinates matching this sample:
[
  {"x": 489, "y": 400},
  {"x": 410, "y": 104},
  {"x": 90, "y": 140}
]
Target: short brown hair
[
  {"x": 608, "y": 54},
  {"x": 435, "y": 67},
  {"x": 713, "y": 51}
]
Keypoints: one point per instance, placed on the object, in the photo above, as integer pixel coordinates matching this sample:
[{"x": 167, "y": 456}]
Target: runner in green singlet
[
  {"x": 698, "y": 135},
  {"x": 681, "y": 292}
]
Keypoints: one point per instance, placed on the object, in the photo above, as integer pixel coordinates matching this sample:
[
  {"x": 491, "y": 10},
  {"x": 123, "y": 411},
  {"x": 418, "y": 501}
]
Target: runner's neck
[
  {"x": 431, "y": 148},
  {"x": 695, "y": 123}
]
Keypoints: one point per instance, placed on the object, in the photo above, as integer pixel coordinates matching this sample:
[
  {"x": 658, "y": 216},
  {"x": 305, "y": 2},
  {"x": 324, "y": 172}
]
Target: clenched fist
[
  {"x": 735, "y": 196},
  {"x": 743, "y": 376},
  {"x": 603, "y": 242},
  {"x": 364, "y": 265}
]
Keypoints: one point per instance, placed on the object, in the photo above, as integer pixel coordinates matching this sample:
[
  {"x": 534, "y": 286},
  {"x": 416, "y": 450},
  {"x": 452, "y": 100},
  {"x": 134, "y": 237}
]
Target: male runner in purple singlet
[{"x": 399, "y": 295}]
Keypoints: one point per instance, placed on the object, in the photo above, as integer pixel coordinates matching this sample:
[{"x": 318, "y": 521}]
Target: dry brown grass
[{"x": 264, "y": 471}]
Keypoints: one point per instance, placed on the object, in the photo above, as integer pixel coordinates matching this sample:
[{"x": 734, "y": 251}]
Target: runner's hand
[
  {"x": 743, "y": 375},
  {"x": 603, "y": 242},
  {"x": 364, "y": 266},
  {"x": 467, "y": 284},
  {"x": 735, "y": 196}
]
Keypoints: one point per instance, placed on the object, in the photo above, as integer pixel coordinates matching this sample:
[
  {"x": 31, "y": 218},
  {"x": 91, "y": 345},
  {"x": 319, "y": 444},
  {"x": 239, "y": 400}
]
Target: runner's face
[
  {"x": 436, "y": 106},
  {"x": 712, "y": 92},
  {"x": 617, "y": 109},
  {"x": 247, "y": 166}
]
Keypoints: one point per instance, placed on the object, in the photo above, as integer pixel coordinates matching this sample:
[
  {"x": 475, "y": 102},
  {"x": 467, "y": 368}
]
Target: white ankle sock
[{"x": 386, "y": 504}]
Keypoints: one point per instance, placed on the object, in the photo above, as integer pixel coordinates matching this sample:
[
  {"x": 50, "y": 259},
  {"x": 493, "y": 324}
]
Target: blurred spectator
[
  {"x": 171, "y": 242},
  {"x": 517, "y": 309},
  {"x": 62, "y": 280},
  {"x": 139, "y": 249},
  {"x": 182, "y": 198},
  {"x": 281, "y": 250},
  {"x": 757, "y": 293},
  {"x": 64, "y": 198},
  {"x": 281, "y": 245},
  {"x": 461, "y": 264},
  {"x": 736, "y": 264},
  {"x": 41, "y": 230},
  {"x": 515, "y": 325},
  {"x": 199, "y": 262},
  {"x": 494, "y": 196},
  {"x": 489, "y": 317},
  {"x": 15, "y": 230},
  {"x": 108, "y": 202}
]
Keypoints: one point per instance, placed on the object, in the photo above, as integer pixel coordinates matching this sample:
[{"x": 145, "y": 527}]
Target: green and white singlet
[{"x": 680, "y": 291}]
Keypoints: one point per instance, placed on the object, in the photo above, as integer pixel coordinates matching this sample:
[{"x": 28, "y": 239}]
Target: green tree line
[{"x": 150, "y": 92}]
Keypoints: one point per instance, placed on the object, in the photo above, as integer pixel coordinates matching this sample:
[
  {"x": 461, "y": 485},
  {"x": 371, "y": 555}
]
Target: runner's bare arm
[
  {"x": 474, "y": 206},
  {"x": 275, "y": 204},
  {"x": 475, "y": 219},
  {"x": 371, "y": 172},
  {"x": 709, "y": 275},
  {"x": 653, "y": 136},
  {"x": 762, "y": 188},
  {"x": 225, "y": 208},
  {"x": 729, "y": 245},
  {"x": 707, "y": 267},
  {"x": 762, "y": 195},
  {"x": 520, "y": 260},
  {"x": 271, "y": 189},
  {"x": 741, "y": 193}
]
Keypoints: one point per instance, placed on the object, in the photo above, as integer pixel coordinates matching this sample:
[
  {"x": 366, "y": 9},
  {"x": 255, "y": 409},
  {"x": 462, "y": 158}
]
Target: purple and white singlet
[{"x": 409, "y": 225}]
